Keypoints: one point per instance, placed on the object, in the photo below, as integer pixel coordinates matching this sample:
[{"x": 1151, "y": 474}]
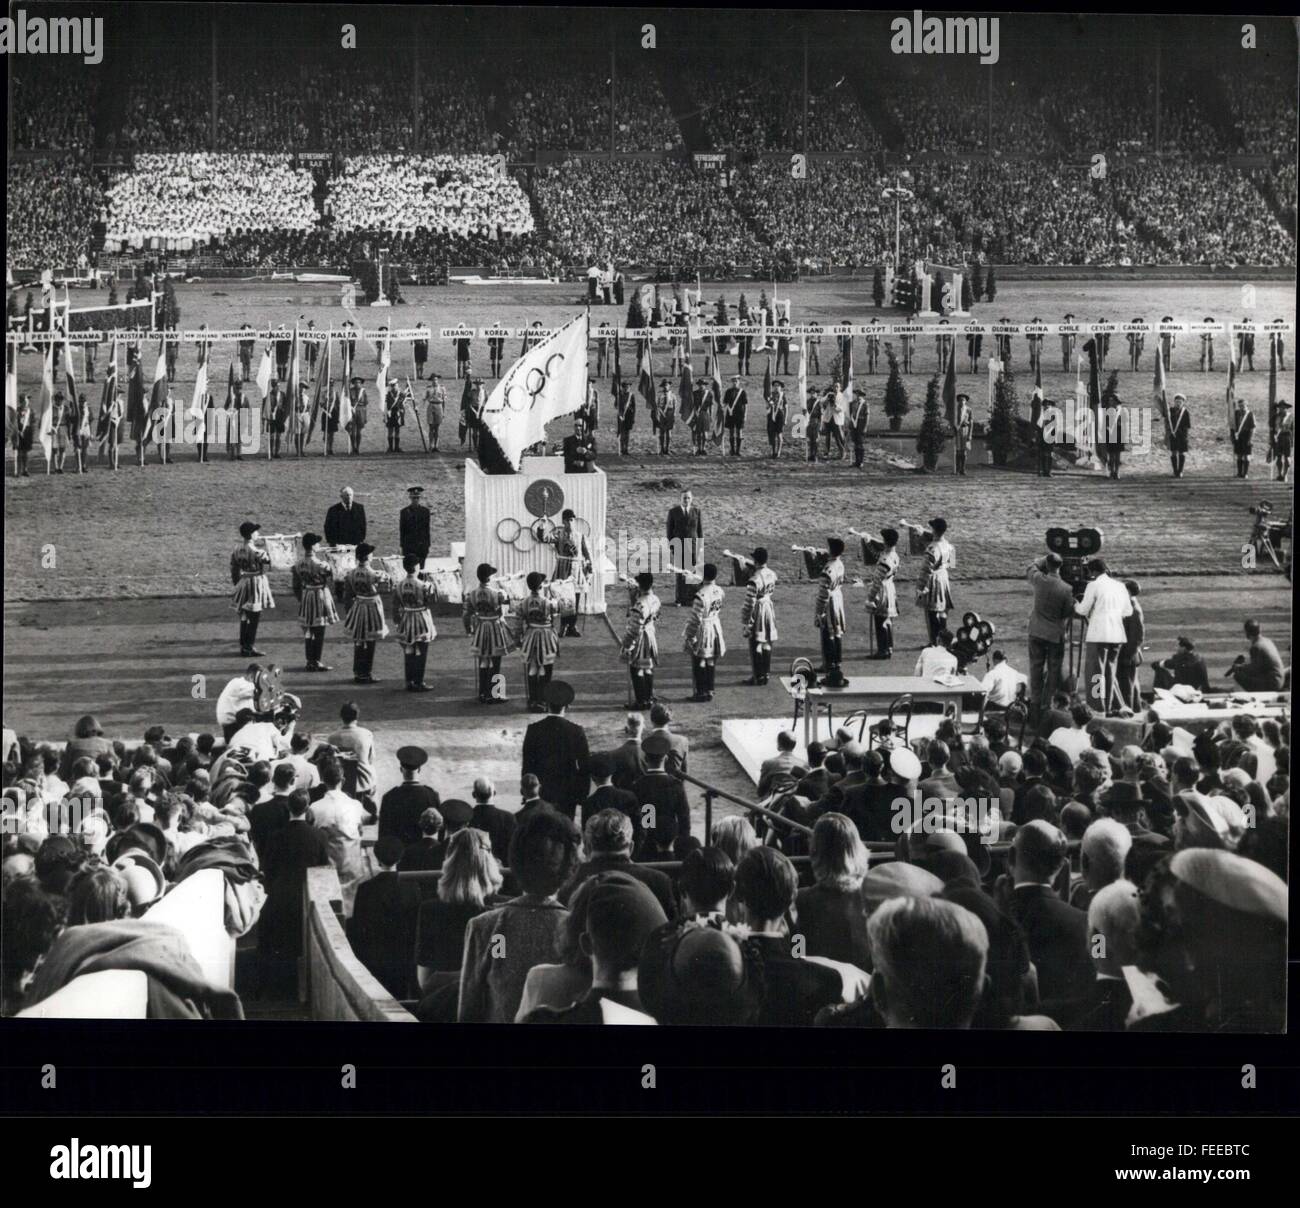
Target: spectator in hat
[
  {"x": 702, "y": 975},
  {"x": 795, "y": 989},
  {"x": 427, "y": 852},
  {"x": 606, "y": 796},
  {"x": 555, "y": 751},
  {"x": 496, "y": 823},
  {"x": 1055, "y": 930},
  {"x": 621, "y": 914},
  {"x": 1213, "y": 930},
  {"x": 829, "y": 914},
  {"x": 402, "y": 805},
  {"x": 543, "y": 856},
  {"x": 607, "y": 843},
  {"x": 664, "y": 796},
  {"x": 1123, "y": 802},
  {"x": 929, "y": 958},
  {"x": 382, "y": 927}
]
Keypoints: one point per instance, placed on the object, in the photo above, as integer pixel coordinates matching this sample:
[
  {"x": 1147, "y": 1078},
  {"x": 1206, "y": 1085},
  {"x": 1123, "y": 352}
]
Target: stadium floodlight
[{"x": 898, "y": 192}]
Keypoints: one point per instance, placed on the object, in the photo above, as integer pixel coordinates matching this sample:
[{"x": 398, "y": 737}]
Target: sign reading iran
[{"x": 548, "y": 381}]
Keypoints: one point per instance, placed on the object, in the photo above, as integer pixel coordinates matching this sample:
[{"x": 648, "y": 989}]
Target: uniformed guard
[
  {"x": 625, "y": 415},
  {"x": 110, "y": 424},
  {"x": 1035, "y": 341},
  {"x": 858, "y": 419},
  {"x": 702, "y": 638},
  {"x": 811, "y": 345},
  {"x": 360, "y": 406},
  {"x": 301, "y": 419},
  {"x": 413, "y": 526},
  {"x": 312, "y": 576},
  {"x": 283, "y": 343},
  {"x": 1283, "y": 439},
  {"x": 1279, "y": 342},
  {"x": 934, "y": 591},
  {"x": 944, "y": 346},
  {"x": 1067, "y": 346},
  {"x": 758, "y": 617},
  {"x": 744, "y": 344},
  {"x": 484, "y": 610},
  {"x": 572, "y": 562},
  {"x": 310, "y": 349},
  {"x": 1180, "y": 434},
  {"x": 412, "y": 598},
  {"x": 1243, "y": 436},
  {"x": 394, "y": 417},
  {"x": 80, "y": 419},
  {"x": 171, "y": 346},
  {"x": 1136, "y": 342},
  {"x": 777, "y": 410},
  {"x": 1168, "y": 342},
  {"x": 882, "y": 594},
  {"x": 640, "y": 647},
  {"x": 872, "y": 341},
  {"x": 1002, "y": 342},
  {"x": 1110, "y": 440},
  {"x": 974, "y": 346},
  {"x": 703, "y": 414},
  {"x": 1246, "y": 348},
  {"x": 238, "y": 418},
  {"x": 277, "y": 417},
  {"x": 604, "y": 349},
  {"x": 462, "y": 353},
  {"x": 908, "y": 342},
  {"x": 538, "y": 644},
  {"x": 783, "y": 345},
  {"x": 665, "y": 417},
  {"x": 245, "y": 353},
  {"x": 590, "y": 412},
  {"x": 162, "y": 420},
  {"x": 963, "y": 431},
  {"x": 734, "y": 405},
  {"x": 1103, "y": 344},
  {"x": 828, "y": 613},
  {"x": 59, "y": 430},
  {"x": 1207, "y": 348},
  {"x": 420, "y": 349},
  {"x": 496, "y": 352},
  {"x": 435, "y": 404},
  {"x": 365, "y": 622},
  {"x": 23, "y": 435},
  {"x": 249, "y": 565}
]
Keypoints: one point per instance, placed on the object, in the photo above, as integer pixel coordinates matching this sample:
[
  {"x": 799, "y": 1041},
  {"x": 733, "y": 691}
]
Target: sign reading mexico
[{"x": 548, "y": 381}]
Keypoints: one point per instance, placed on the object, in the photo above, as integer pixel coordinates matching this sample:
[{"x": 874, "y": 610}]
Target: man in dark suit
[
  {"x": 1113, "y": 915},
  {"x": 492, "y": 820},
  {"x": 382, "y": 927},
  {"x": 293, "y": 849},
  {"x": 531, "y": 799},
  {"x": 345, "y": 522},
  {"x": 1057, "y": 933},
  {"x": 556, "y": 752},
  {"x": 607, "y": 838},
  {"x": 627, "y": 759},
  {"x": 685, "y": 540},
  {"x": 428, "y": 851},
  {"x": 269, "y": 817},
  {"x": 579, "y": 449},
  {"x": 679, "y": 745},
  {"x": 402, "y": 805},
  {"x": 413, "y": 525},
  {"x": 607, "y": 796},
  {"x": 666, "y": 795}
]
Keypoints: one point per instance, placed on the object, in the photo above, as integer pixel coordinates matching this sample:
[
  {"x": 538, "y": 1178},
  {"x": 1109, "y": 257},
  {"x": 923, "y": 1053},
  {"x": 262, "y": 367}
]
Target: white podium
[{"x": 505, "y": 513}]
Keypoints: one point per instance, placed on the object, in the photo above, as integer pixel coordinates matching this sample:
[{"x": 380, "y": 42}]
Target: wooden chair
[{"x": 888, "y": 729}]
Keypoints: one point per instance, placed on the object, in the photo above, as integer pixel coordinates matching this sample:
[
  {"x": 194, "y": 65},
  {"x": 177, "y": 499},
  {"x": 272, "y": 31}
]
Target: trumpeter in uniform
[
  {"x": 934, "y": 593},
  {"x": 828, "y": 613},
  {"x": 365, "y": 620},
  {"x": 538, "y": 642},
  {"x": 1243, "y": 435},
  {"x": 312, "y": 577},
  {"x": 414, "y": 618},
  {"x": 703, "y": 638},
  {"x": 248, "y": 572},
  {"x": 758, "y": 617},
  {"x": 484, "y": 613},
  {"x": 572, "y": 562},
  {"x": 1180, "y": 434},
  {"x": 413, "y": 526},
  {"x": 882, "y": 595},
  {"x": 640, "y": 647}
]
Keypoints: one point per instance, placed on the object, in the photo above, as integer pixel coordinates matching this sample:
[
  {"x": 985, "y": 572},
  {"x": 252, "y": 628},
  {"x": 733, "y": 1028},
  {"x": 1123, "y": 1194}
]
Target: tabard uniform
[
  {"x": 882, "y": 601},
  {"x": 248, "y": 572},
  {"x": 572, "y": 558},
  {"x": 640, "y": 647},
  {"x": 365, "y": 620},
  {"x": 758, "y": 621},
  {"x": 414, "y": 619},
  {"x": 703, "y": 634},
  {"x": 483, "y": 610},
  {"x": 828, "y": 614},
  {"x": 312, "y": 577},
  {"x": 934, "y": 593},
  {"x": 539, "y": 644}
]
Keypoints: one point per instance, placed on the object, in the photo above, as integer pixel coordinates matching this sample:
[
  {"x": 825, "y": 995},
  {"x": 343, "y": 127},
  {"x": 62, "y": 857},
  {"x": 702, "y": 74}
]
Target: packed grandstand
[{"x": 580, "y": 147}]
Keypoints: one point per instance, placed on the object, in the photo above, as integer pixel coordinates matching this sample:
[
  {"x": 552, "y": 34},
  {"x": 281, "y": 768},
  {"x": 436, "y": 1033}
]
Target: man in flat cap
[
  {"x": 556, "y": 752},
  {"x": 413, "y": 523},
  {"x": 402, "y": 805}
]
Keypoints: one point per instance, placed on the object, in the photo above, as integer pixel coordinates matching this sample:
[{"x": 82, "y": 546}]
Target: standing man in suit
[
  {"x": 685, "y": 540},
  {"x": 293, "y": 849},
  {"x": 669, "y": 817},
  {"x": 556, "y": 752},
  {"x": 1180, "y": 434},
  {"x": 345, "y": 521},
  {"x": 1053, "y": 608},
  {"x": 401, "y": 807},
  {"x": 734, "y": 404},
  {"x": 413, "y": 524},
  {"x": 607, "y": 796},
  {"x": 492, "y": 820},
  {"x": 627, "y": 759},
  {"x": 579, "y": 449},
  {"x": 679, "y": 746},
  {"x": 1056, "y": 932},
  {"x": 382, "y": 927}
]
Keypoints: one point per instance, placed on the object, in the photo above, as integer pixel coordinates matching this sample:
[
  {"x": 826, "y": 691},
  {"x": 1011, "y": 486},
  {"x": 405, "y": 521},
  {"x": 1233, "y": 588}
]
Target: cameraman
[
  {"x": 1053, "y": 608},
  {"x": 1105, "y": 606}
]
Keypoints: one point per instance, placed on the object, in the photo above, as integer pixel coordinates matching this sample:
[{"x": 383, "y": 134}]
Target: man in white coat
[{"x": 1104, "y": 606}]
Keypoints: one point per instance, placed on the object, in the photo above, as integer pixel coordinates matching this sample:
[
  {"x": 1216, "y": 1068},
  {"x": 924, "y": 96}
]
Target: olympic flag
[{"x": 548, "y": 381}]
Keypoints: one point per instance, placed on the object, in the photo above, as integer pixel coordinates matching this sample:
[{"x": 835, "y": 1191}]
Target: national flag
[
  {"x": 11, "y": 396},
  {"x": 618, "y": 368},
  {"x": 136, "y": 415},
  {"x": 950, "y": 389},
  {"x": 1231, "y": 394},
  {"x": 645, "y": 381},
  {"x": 265, "y": 372},
  {"x": 846, "y": 361},
  {"x": 381, "y": 379},
  {"x": 803, "y": 376},
  {"x": 158, "y": 391},
  {"x": 686, "y": 393},
  {"x": 1159, "y": 392},
  {"x": 1094, "y": 391},
  {"x": 767, "y": 381},
  {"x": 320, "y": 395},
  {"x": 45, "y": 425},
  {"x": 110, "y": 388},
  {"x": 294, "y": 379},
  {"x": 71, "y": 386},
  {"x": 199, "y": 403},
  {"x": 516, "y": 414},
  {"x": 234, "y": 415},
  {"x": 1272, "y": 398}
]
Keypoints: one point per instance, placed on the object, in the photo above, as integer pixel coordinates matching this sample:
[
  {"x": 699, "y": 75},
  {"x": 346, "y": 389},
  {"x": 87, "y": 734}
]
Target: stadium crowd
[
  {"x": 51, "y": 110},
  {"x": 363, "y": 107},
  {"x": 452, "y": 116},
  {"x": 984, "y": 915},
  {"x": 50, "y": 209}
]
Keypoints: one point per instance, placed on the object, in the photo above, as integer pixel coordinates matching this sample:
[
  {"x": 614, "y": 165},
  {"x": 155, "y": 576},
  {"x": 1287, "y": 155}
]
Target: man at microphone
[{"x": 685, "y": 537}]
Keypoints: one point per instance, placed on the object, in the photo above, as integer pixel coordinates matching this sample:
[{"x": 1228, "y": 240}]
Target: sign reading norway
[{"x": 548, "y": 381}]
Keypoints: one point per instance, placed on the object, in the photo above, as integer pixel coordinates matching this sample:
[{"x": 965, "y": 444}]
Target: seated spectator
[
  {"x": 782, "y": 771},
  {"x": 496, "y": 823},
  {"x": 829, "y": 914},
  {"x": 429, "y": 851},
  {"x": 1103, "y": 853},
  {"x": 1113, "y": 917},
  {"x": 1184, "y": 666},
  {"x": 1002, "y": 683},
  {"x": 97, "y": 895},
  {"x": 607, "y": 845},
  {"x": 469, "y": 884},
  {"x": 937, "y": 658},
  {"x": 1076, "y": 739}
]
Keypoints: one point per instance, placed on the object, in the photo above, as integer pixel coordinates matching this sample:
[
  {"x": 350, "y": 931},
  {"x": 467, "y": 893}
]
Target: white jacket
[{"x": 1105, "y": 603}]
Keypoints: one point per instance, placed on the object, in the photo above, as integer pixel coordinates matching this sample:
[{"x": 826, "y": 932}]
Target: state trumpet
[
  {"x": 809, "y": 549},
  {"x": 740, "y": 558}
]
